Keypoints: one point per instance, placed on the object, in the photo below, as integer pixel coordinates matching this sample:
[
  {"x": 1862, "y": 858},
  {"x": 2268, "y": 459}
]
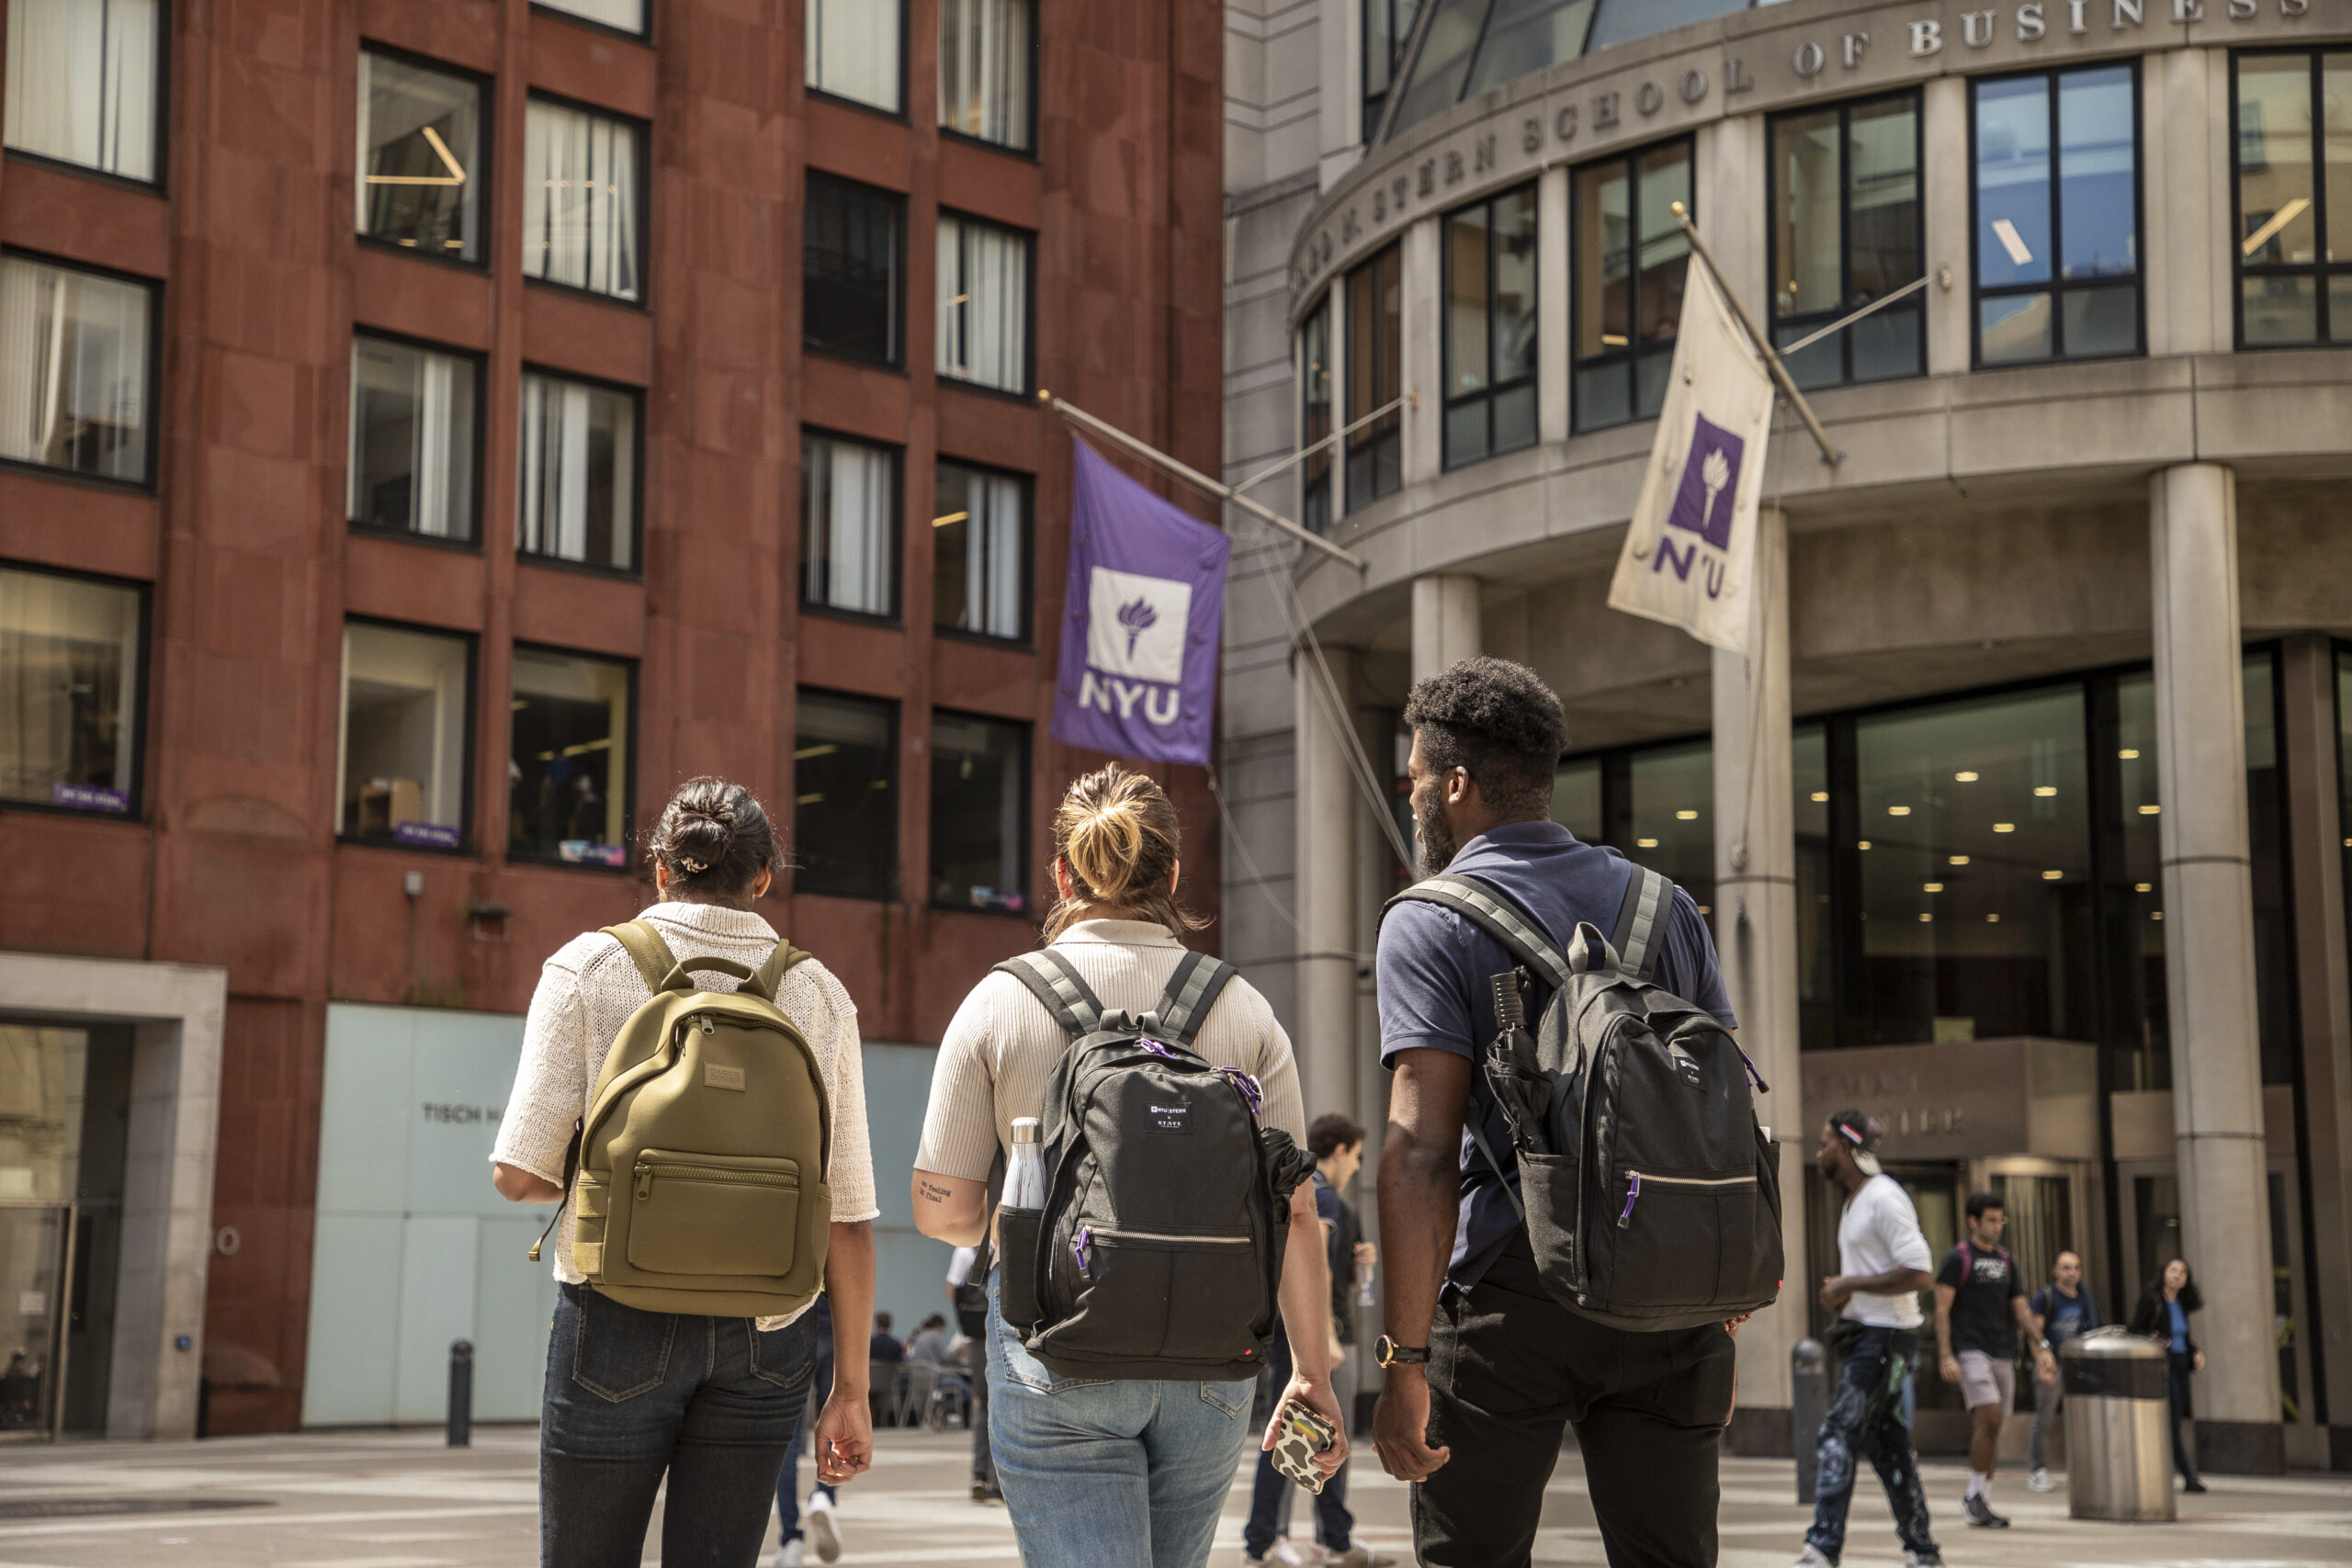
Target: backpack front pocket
[
  {"x": 1148, "y": 1295},
  {"x": 1663, "y": 1237},
  {"x": 714, "y": 1214}
]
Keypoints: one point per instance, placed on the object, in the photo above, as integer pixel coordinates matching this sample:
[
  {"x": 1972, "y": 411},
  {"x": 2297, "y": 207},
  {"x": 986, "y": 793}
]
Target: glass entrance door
[{"x": 34, "y": 1238}]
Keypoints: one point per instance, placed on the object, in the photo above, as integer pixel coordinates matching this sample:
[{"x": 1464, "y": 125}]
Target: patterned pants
[{"x": 1865, "y": 1419}]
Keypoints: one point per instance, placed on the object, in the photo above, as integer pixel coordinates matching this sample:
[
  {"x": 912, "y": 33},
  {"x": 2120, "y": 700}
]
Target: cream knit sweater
[{"x": 588, "y": 990}]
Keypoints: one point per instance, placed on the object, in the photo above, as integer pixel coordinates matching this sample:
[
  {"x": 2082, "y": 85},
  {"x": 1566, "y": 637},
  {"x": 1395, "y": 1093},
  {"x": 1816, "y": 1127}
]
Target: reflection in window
[
  {"x": 403, "y": 767},
  {"x": 628, "y": 15},
  {"x": 1388, "y": 25},
  {"x": 2057, "y": 221},
  {"x": 72, "y": 370},
  {"x": 1526, "y": 35},
  {"x": 1375, "y": 455},
  {"x": 853, "y": 50},
  {"x": 567, "y": 773},
  {"x": 1846, "y": 231},
  {"x": 845, "y": 816},
  {"x": 1670, "y": 802},
  {"x": 979, "y": 527},
  {"x": 2274, "y": 972},
  {"x": 849, "y": 504},
  {"x": 2132, "y": 911},
  {"x": 1315, "y": 417},
  {"x": 1816, "y": 934},
  {"x": 979, "y": 813},
  {"x": 1576, "y": 799},
  {"x": 69, "y": 682},
  {"x": 1630, "y": 256},
  {"x": 579, "y": 465},
  {"x": 850, "y": 269},
  {"x": 2294, "y": 198},
  {"x": 420, "y": 156},
  {"x": 1491, "y": 327},
  {"x": 983, "y": 288},
  {"x": 82, "y": 83},
  {"x": 985, "y": 58},
  {"x": 581, "y": 173},
  {"x": 411, "y": 439}
]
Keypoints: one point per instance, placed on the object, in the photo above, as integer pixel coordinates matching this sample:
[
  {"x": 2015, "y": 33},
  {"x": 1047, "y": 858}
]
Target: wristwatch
[{"x": 1388, "y": 1353}]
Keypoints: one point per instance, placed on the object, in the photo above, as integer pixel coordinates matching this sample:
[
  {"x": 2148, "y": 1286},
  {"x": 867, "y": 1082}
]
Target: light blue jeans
[{"x": 1110, "y": 1475}]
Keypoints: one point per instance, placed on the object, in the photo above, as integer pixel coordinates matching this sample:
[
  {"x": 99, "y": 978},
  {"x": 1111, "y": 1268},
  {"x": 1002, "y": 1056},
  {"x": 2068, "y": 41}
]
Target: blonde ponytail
[{"x": 1117, "y": 834}]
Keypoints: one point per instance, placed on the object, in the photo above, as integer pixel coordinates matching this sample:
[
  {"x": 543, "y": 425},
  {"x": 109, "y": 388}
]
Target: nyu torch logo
[
  {"x": 1135, "y": 644},
  {"x": 1704, "y": 505}
]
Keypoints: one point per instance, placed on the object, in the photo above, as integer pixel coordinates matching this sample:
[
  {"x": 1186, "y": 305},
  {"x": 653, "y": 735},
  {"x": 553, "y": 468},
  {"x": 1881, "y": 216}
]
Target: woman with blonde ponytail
[{"x": 1124, "y": 1472}]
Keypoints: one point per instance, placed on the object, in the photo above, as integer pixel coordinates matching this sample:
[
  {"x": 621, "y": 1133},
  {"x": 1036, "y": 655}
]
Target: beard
[{"x": 1434, "y": 845}]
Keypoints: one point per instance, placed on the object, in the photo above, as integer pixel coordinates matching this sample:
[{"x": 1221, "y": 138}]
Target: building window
[
  {"x": 2057, "y": 200},
  {"x": 979, "y": 813},
  {"x": 404, "y": 732},
  {"x": 82, "y": 84},
  {"x": 845, "y": 816},
  {"x": 1375, "y": 378},
  {"x": 850, "y": 269},
  {"x": 568, "y": 772},
  {"x": 1315, "y": 417},
  {"x": 980, "y": 551},
  {"x": 74, "y": 368},
  {"x": 1388, "y": 26},
  {"x": 581, "y": 216},
  {"x": 849, "y": 533},
  {"x": 578, "y": 463},
  {"x": 420, "y": 157},
  {"x": 983, "y": 303},
  {"x": 985, "y": 57},
  {"x": 622, "y": 16},
  {"x": 854, "y": 52},
  {"x": 1491, "y": 327},
  {"x": 2294, "y": 189},
  {"x": 69, "y": 693},
  {"x": 1846, "y": 231},
  {"x": 1630, "y": 256},
  {"x": 411, "y": 439}
]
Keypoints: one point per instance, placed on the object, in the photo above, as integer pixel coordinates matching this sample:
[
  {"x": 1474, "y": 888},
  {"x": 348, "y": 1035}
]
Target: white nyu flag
[{"x": 1692, "y": 550}]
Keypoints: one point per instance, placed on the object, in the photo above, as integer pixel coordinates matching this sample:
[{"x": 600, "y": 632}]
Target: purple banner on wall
[
  {"x": 88, "y": 797},
  {"x": 427, "y": 835},
  {"x": 1140, "y": 620}
]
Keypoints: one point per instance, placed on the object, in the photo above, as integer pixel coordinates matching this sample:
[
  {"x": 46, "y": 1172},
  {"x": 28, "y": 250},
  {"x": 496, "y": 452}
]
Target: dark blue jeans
[
  {"x": 787, "y": 1480},
  {"x": 1865, "y": 1419},
  {"x": 634, "y": 1396},
  {"x": 1334, "y": 1526},
  {"x": 2181, "y": 1368}
]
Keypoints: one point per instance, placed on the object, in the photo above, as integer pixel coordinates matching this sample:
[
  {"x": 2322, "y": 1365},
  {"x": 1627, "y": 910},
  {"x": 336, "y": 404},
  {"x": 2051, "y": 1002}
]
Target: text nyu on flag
[
  {"x": 1140, "y": 620},
  {"x": 1690, "y": 554}
]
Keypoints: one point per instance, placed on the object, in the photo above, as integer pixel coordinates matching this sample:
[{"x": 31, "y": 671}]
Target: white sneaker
[
  {"x": 822, "y": 1529},
  {"x": 794, "y": 1553},
  {"x": 2040, "y": 1482},
  {"x": 1812, "y": 1557}
]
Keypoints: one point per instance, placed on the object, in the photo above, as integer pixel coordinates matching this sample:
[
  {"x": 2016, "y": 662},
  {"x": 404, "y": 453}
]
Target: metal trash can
[{"x": 2118, "y": 1413}]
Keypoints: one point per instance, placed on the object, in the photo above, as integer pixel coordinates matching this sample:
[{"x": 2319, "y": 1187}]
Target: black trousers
[{"x": 1510, "y": 1369}]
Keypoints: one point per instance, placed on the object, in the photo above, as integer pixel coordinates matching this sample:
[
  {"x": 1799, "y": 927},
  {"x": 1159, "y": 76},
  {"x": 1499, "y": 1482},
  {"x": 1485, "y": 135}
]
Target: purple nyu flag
[{"x": 1140, "y": 620}]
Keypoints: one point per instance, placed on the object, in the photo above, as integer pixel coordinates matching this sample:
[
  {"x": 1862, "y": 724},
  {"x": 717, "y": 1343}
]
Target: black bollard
[
  {"x": 1809, "y": 1406},
  {"x": 461, "y": 1393}
]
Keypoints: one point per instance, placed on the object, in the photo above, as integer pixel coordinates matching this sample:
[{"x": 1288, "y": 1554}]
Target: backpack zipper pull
[
  {"x": 1080, "y": 1245},
  {"x": 706, "y": 1026},
  {"x": 645, "y": 1186},
  {"x": 1633, "y": 1192}
]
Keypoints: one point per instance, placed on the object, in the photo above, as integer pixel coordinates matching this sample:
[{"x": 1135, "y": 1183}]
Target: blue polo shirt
[{"x": 1435, "y": 992}]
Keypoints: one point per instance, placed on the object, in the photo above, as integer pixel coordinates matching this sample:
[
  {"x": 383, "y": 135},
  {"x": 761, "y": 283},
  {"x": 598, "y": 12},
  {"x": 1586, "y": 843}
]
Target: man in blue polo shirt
[{"x": 1484, "y": 1368}]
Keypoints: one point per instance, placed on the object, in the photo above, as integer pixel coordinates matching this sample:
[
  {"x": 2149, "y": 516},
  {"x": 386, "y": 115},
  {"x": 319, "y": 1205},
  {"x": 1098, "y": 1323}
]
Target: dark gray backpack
[
  {"x": 1159, "y": 1247},
  {"x": 1651, "y": 1197}
]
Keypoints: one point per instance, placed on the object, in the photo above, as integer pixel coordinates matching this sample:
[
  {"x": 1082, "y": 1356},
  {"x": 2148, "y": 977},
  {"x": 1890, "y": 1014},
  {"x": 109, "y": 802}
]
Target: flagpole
[{"x": 1829, "y": 454}]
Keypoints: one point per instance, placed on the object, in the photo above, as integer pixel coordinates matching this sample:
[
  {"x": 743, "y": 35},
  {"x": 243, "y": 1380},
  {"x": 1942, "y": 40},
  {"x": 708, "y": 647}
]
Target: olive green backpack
[{"x": 697, "y": 1177}]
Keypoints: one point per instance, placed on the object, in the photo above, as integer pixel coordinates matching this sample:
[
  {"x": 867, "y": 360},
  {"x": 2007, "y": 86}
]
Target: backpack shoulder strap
[
  {"x": 771, "y": 973},
  {"x": 1056, "y": 982},
  {"x": 1192, "y": 990},
  {"x": 1640, "y": 932},
  {"x": 644, "y": 944},
  {"x": 1486, "y": 907}
]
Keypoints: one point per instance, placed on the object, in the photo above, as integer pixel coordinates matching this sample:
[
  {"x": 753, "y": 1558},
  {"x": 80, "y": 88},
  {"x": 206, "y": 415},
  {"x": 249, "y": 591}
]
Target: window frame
[
  {"x": 1028, "y": 238},
  {"x": 902, "y": 114},
  {"x": 485, "y": 203},
  {"x": 1325, "y": 307},
  {"x": 1630, "y": 356},
  {"x": 643, "y": 225},
  {"x": 134, "y": 724},
  {"x": 1448, "y": 401},
  {"x": 1027, "y": 154},
  {"x": 1393, "y": 428},
  {"x": 1026, "y": 732},
  {"x": 1026, "y": 642},
  {"x": 898, "y": 515},
  {"x": 894, "y": 746},
  {"x": 1843, "y": 109},
  {"x": 161, "y": 184},
  {"x": 2055, "y": 286},
  {"x": 550, "y": 8},
  {"x": 468, "y": 823},
  {"x": 480, "y": 435},
  {"x": 1372, "y": 111},
  {"x": 897, "y": 359},
  {"x": 635, "y": 572},
  {"x": 151, "y": 383},
  {"x": 630, "y": 826},
  {"x": 2319, "y": 271}
]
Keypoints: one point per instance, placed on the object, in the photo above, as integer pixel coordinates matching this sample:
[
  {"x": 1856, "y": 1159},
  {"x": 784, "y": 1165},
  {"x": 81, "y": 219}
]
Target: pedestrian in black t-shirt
[{"x": 1980, "y": 1305}]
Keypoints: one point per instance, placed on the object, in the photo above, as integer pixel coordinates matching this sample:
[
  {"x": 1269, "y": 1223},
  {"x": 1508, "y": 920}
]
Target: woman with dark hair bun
[
  {"x": 2162, "y": 1316},
  {"x": 711, "y": 1404}
]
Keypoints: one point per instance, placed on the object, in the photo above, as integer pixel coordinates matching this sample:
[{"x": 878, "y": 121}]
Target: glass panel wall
[
  {"x": 568, "y": 772},
  {"x": 979, "y": 813},
  {"x": 2057, "y": 195},
  {"x": 986, "y": 53},
  {"x": 82, "y": 84},
  {"x": 850, "y": 272},
  {"x": 405, "y": 726},
  {"x": 1627, "y": 283},
  {"x": 853, "y": 52},
  {"x": 2294, "y": 198},
  {"x": 74, "y": 368},
  {"x": 1375, "y": 456},
  {"x": 1491, "y": 327},
  {"x": 1670, "y": 816},
  {"x": 1388, "y": 25},
  {"x": 1576, "y": 799},
  {"x": 983, "y": 286},
  {"x": 844, "y": 814},
  {"x": 579, "y": 472},
  {"x": 1315, "y": 417},
  {"x": 980, "y": 551},
  {"x": 582, "y": 222},
  {"x": 413, "y": 437},
  {"x": 420, "y": 157},
  {"x": 849, "y": 535},
  {"x": 69, "y": 693},
  {"x": 1846, "y": 231},
  {"x": 623, "y": 15},
  {"x": 1526, "y": 35}
]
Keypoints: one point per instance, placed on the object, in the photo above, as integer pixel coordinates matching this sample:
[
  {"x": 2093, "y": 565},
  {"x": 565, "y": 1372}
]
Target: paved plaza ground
[{"x": 404, "y": 1500}]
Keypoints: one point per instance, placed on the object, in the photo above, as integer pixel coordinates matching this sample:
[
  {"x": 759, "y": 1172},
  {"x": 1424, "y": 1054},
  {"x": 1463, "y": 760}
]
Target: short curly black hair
[{"x": 1498, "y": 722}]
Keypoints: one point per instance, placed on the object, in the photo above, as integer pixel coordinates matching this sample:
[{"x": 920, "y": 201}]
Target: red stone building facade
[{"x": 231, "y": 821}]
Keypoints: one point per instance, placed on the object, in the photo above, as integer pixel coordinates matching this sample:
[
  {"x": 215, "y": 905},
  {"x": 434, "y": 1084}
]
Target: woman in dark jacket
[{"x": 2162, "y": 1316}]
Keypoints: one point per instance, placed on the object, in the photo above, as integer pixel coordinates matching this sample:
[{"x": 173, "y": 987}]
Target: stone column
[
  {"x": 2209, "y": 962},
  {"x": 1551, "y": 306},
  {"x": 1944, "y": 186},
  {"x": 1421, "y": 355},
  {"x": 1755, "y": 934},
  {"x": 1445, "y": 622},
  {"x": 1325, "y": 881}
]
